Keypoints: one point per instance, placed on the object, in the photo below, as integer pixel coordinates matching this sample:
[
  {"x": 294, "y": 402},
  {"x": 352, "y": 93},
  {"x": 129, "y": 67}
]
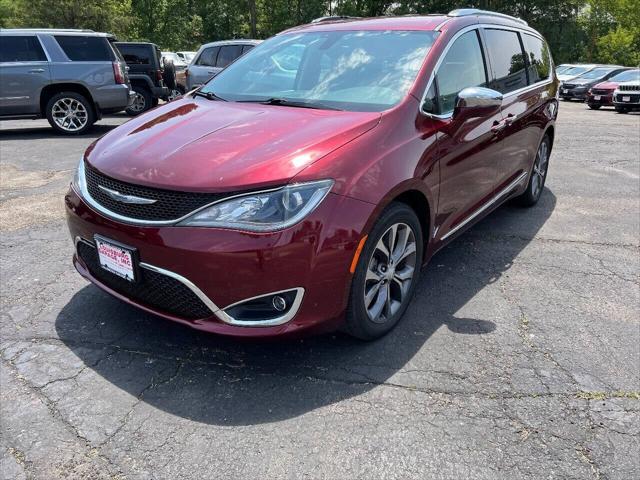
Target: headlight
[
  {"x": 264, "y": 211},
  {"x": 78, "y": 182}
]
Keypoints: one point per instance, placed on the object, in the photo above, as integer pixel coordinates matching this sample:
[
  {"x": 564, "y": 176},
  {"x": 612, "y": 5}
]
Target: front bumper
[
  {"x": 573, "y": 93},
  {"x": 230, "y": 266},
  {"x": 604, "y": 99},
  {"x": 633, "y": 101}
]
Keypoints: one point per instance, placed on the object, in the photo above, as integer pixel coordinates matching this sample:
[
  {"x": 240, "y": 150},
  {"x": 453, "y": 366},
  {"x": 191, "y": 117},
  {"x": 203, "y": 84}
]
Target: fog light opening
[{"x": 270, "y": 309}]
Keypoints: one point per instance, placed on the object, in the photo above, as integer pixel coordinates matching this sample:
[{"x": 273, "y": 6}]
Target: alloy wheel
[
  {"x": 390, "y": 272},
  {"x": 173, "y": 94},
  {"x": 69, "y": 114},
  {"x": 138, "y": 103},
  {"x": 540, "y": 169}
]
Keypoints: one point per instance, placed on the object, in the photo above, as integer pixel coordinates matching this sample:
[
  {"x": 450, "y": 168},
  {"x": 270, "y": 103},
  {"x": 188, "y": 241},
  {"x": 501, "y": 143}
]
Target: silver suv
[
  {"x": 69, "y": 77},
  {"x": 213, "y": 57}
]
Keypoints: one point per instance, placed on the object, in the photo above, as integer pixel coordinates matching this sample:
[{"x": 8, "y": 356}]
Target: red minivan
[{"x": 303, "y": 188}]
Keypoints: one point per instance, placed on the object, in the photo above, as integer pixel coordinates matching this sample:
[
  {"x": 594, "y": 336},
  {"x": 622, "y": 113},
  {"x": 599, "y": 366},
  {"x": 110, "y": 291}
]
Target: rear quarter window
[
  {"x": 208, "y": 57},
  {"x": 539, "y": 58},
  {"x": 85, "y": 48},
  {"x": 228, "y": 53},
  {"x": 21, "y": 49},
  {"x": 507, "y": 60}
]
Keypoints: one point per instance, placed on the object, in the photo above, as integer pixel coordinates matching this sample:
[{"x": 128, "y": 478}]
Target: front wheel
[
  {"x": 386, "y": 274},
  {"x": 538, "y": 174},
  {"x": 594, "y": 107},
  {"x": 622, "y": 110}
]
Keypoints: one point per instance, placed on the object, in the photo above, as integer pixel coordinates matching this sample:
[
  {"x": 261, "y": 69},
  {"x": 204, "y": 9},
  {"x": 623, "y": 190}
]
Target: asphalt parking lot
[{"x": 519, "y": 357}]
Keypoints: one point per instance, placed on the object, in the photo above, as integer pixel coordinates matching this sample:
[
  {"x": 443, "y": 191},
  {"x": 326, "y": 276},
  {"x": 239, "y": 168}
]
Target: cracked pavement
[{"x": 518, "y": 358}]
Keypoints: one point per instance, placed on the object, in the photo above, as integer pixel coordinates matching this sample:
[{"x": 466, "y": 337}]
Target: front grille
[
  {"x": 154, "y": 290},
  {"x": 600, "y": 91},
  {"x": 169, "y": 205},
  {"x": 629, "y": 88},
  {"x": 568, "y": 86},
  {"x": 635, "y": 98}
]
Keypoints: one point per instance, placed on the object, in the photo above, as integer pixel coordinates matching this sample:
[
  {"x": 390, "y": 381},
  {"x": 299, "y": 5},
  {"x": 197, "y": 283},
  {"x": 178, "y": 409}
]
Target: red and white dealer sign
[{"x": 115, "y": 259}]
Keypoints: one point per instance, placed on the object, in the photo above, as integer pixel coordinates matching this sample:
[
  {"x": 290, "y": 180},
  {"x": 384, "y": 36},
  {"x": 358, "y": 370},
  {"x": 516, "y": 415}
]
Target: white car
[
  {"x": 186, "y": 57},
  {"x": 575, "y": 71},
  {"x": 627, "y": 97}
]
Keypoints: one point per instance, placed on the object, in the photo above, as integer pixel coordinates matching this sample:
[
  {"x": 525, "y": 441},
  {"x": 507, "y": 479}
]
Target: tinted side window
[
  {"x": 539, "y": 66},
  {"x": 462, "y": 67},
  {"x": 208, "y": 57},
  {"x": 136, "y": 54},
  {"x": 228, "y": 54},
  {"x": 21, "y": 49},
  {"x": 246, "y": 48},
  {"x": 507, "y": 60},
  {"x": 85, "y": 49}
]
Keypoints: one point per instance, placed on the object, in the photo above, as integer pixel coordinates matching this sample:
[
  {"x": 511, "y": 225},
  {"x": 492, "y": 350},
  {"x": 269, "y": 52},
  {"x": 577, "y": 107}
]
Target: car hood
[
  {"x": 197, "y": 144},
  {"x": 606, "y": 85},
  {"x": 580, "y": 83}
]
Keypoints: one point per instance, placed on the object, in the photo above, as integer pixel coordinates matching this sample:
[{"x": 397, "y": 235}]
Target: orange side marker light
[{"x": 356, "y": 256}]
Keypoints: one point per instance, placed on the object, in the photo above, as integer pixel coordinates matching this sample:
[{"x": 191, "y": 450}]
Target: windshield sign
[{"x": 346, "y": 70}]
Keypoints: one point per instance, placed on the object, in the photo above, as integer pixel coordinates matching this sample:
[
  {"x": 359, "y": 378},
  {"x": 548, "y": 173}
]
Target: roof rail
[
  {"x": 333, "y": 18},
  {"x": 71, "y": 30},
  {"x": 465, "y": 12}
]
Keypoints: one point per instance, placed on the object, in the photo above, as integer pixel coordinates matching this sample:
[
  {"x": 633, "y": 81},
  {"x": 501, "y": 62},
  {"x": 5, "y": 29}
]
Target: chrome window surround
[
  {"x": 84, "y": 194},
  {"x": 215, "y": 310},
  {"x": 469, "y": 28},
  {"x": 484, "y": 207}
]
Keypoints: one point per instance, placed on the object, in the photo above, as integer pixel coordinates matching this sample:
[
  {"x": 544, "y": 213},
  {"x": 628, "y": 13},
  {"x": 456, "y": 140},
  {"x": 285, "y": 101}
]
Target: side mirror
[{"x": 477, "y": 102}]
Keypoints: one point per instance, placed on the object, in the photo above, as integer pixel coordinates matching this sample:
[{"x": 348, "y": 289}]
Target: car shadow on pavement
[
  {"x": 44, "y": 132},
  {"x": 216, "y": 380}
]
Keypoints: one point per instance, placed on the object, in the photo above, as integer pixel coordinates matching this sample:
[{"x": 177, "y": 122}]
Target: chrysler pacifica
[{"x": 303, "y": 187}]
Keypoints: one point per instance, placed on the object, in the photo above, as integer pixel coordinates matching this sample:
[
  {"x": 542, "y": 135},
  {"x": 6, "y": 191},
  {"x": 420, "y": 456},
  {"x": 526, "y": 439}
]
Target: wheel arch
[{"x": 52, "y": 89}]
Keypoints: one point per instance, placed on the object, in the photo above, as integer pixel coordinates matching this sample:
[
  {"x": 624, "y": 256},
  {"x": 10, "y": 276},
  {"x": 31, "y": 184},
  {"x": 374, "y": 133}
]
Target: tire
[
  {"x": 141, "y": 103},
  {"x": 169, "y": 75},
  {"x": 622, "y": 110},
  {"x": 594, "y": 107},
  {"x": 175, "y": 93},
  {"x": 70, "y": 113},
  {"x": 377, "y": 276},
  {"x": 538, "y": 175}
]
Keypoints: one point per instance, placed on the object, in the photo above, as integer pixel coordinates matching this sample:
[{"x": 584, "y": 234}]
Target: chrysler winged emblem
[{"x": 121, "y": 197}]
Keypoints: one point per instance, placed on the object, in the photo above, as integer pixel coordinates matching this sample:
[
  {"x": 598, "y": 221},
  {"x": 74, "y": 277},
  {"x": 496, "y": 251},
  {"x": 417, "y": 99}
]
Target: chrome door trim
[{"x": 484, "y": 207}]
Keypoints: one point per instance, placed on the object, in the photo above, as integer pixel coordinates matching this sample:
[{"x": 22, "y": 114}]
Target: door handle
[
  {"x": 510, "y": 119},
  {"x": 36, "y": 70},
  {"x": 498, "y": 126}
]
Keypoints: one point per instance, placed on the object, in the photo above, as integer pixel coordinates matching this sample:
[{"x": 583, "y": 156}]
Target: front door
[{"x": 468, "y": 147}]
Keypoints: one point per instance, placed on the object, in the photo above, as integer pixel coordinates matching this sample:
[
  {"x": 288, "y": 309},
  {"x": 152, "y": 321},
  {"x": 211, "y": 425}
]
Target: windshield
[
  {"x": 576, "y": 70},
  {"x": 347, "y": 70},
  {"x": 173, "y": 57},
  {"x": 562, "y": 69},
  {"x": 627, "y": 76},
  {"x": 595, "y": 73},
  {"x": 188, "y": 56}
]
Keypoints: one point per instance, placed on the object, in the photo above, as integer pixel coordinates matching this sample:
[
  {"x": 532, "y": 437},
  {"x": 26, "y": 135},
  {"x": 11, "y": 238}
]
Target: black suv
[{"x": 151, "y": 79}]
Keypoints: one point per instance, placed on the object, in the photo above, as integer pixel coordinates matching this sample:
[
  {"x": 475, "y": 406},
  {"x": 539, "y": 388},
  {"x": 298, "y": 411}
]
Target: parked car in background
[
  {"x": 627, "y": 97},
  {"x": 186, "y": 56},
  {"x": 560, "y": 69},
  {"x": 151, "y": 80},
  {"x": 577, "y": 88},
  {"x": 69, "y": 77},
  {"x": 268, "y": 204},
  {"x": 601, "y": 94},
  {"x": 213, "y": 57},
  {"x": 179, "y": 66},
  {"x": 575, "y": 71}
]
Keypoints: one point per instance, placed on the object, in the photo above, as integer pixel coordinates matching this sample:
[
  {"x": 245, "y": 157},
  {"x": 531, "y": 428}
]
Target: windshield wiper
[
  {"x": 208, "y": 95},
  {"x": 290, "y": 103}
]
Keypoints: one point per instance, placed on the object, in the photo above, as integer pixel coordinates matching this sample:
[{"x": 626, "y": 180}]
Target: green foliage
[{"x": 577, "y": 30}]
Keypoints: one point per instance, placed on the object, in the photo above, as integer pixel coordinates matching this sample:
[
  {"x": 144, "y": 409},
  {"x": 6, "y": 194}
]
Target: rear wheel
[
  {"x": 538, "y": 174},
  {"x": 142, "y": 101},
  {"x": 386, "y": 274},
  {"x": 70, "y": 113},
  {"x": 593, "y": 106}
]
